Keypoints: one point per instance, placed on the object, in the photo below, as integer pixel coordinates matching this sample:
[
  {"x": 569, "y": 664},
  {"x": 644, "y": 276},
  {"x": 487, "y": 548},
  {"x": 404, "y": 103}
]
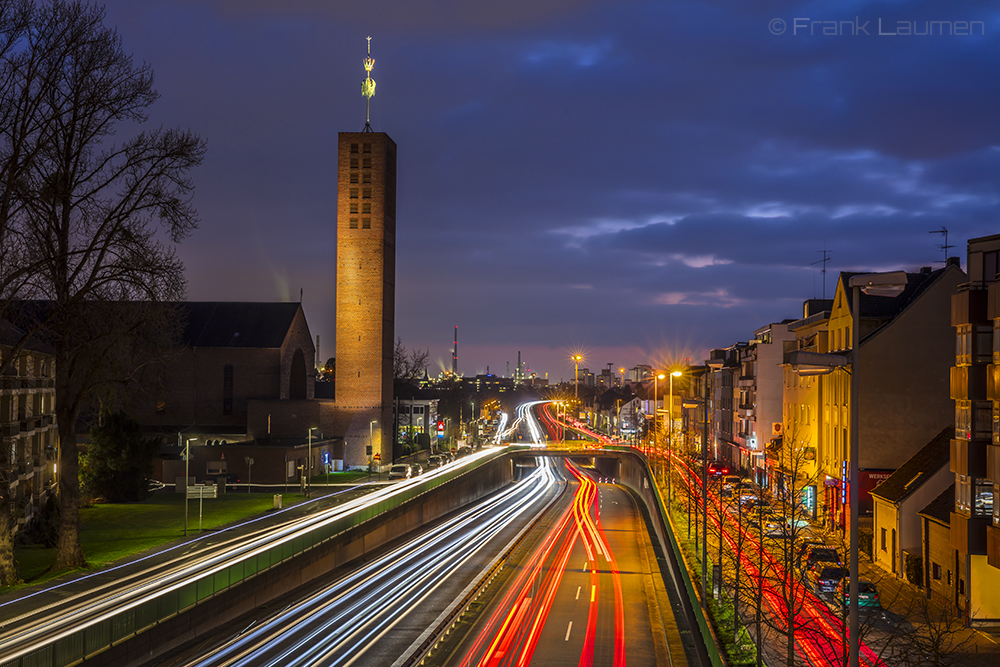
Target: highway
[
  {"x": 586, "y": 592},
  {"x": 29, "y": 623}
]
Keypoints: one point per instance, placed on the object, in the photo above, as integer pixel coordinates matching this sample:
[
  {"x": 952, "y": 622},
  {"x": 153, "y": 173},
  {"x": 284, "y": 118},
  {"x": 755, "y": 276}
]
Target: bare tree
[
  {"x": 85, "y": 220},
  {"x": 408, "y": 365}
]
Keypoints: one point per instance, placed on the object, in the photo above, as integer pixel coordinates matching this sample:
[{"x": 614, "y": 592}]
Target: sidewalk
[{"x": 900, "y": 597}]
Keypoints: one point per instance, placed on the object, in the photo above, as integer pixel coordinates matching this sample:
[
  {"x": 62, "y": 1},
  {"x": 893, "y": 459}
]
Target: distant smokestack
[{"x": 454, "y": 354}]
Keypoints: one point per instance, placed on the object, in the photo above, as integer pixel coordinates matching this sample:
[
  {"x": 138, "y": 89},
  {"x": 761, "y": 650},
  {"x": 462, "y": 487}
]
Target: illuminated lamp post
[
  {"x": 670, "y": 435},
  {"x": 812, "y": 363},
  {"x": 577, "y": 358},
  {"x": 656, "y": 410}
]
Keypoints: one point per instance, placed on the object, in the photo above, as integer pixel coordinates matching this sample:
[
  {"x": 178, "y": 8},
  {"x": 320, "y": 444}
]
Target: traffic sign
[{"x": 378, "y": 457}]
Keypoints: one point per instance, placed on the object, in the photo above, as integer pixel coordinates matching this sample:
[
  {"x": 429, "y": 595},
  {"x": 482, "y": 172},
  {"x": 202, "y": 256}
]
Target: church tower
[{"x": 366, "y": 284}]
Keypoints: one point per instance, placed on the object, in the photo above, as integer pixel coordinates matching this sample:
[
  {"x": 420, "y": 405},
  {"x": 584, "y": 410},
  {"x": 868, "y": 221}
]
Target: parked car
[
  {"x": 415, "y": 469},
  {"x": 400, "y": 471},
  {"x": 435, "y": 462},
  {"x": 779, "y": 529},
  {"x": 815, "y": 554},
  {"x": 824, "y": 577},
  {"x": 867, "y": 594},
  {"x": 803, "y": 548}
]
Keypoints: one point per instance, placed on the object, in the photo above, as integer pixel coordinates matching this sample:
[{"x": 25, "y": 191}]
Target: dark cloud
[{"x": 636, "y": 179}]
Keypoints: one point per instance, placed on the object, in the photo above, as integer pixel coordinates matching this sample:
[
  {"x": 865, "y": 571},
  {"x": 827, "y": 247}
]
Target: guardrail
[{"x": 99, "y": 636}]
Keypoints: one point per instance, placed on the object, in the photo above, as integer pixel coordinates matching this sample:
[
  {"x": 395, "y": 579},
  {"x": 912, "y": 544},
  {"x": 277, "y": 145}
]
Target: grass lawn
[{"x": 111, "y": 532}]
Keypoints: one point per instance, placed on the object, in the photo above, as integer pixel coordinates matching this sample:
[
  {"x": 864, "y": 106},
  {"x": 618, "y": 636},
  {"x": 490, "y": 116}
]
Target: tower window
[
  {"x": 366, "y": 178},
  {"x": 354, "y": 163},
  {"x": 354, "y": 148},
  {"x": 366, "y": 193},
  {"x": 366, "y": 223},
  {"x": 366, "y": 207},
  {"x": 367, "y": 163},
  {"x": 354, "y": 193},
  {"x": 354, "y": 178},
  {"x": 354, "y": 223},
  {"x": 354, "y": 207},
  {"x": 368, "y": 148}
]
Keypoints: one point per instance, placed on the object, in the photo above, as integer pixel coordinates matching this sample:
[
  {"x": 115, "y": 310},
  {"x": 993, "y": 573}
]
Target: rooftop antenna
[
  {"x": 944, "y": 246},
  {"x": 826, "y": 258},
  {"x": 368, "y": 87}
]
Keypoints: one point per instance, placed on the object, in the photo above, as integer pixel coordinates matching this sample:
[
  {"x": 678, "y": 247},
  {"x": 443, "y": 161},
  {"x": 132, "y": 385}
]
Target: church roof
[{"x": 237, "y": 323}]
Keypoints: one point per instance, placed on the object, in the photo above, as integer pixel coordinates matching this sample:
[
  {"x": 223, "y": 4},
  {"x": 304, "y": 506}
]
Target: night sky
[{"x": 639, "y": 181}]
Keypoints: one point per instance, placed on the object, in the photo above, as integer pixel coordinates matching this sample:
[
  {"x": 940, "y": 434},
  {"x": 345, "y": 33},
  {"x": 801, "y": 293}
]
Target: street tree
[{"x": 84, "y": 219}]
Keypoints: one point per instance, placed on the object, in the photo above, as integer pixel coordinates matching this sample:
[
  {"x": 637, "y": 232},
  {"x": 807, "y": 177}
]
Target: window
[
  {"x": 366, "y": 207},
  {"x": 366, "y": 177},
  {"x": 367, "y": 163},
  {"x": 354, "y": 148},
  {"x": 366, "y": 223},
  {"x": 227, "y": 389},
  {"x": 883, "y": 539},
  {"x": 983, "y": 498},
  {"x": 354, "y": 178},
  {"x": 367, "y": 148},
  {"x": 990, "y": 266},
  {"x": 161, "y": 406},
  {"x": 354, "y": 193},
  {"x": 963, "y": 491},
  {"x": 354, "y": 207},
  {"x": 366, "y": 193},
  {"x": 936, "y": 571},
  {"x": 354, "y": 223},
  {"x": 354, "y": 163}
]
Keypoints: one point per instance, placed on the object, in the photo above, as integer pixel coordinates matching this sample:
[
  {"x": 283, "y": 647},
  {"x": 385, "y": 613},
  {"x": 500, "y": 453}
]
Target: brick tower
[{"x": 366, "y": 282}]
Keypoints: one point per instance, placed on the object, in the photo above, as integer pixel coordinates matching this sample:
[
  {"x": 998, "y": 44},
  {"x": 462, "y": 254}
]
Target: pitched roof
[
  {"x": 887, "y": 307},
  {"x": 237, "y": 324},
  {"x": 940, "y": 508},
  {"x": 917, "y": 469}
]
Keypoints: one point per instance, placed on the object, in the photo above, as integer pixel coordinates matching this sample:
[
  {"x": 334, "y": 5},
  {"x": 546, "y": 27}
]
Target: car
[
  {"x": 761, "y": 513},
  {"x": 867, "y": 594},
  {"x": 824, "y": 577},
  {"x": 815, "y": 554},
  {"x": 717, "y": 469},
  {"x": 803, "y": 547},
  {"x": 400, "y": 471},
  {"x": 415, "y": 469},
  {"x": 435, "y": 462},
  {"x": 778, "y": 529}
]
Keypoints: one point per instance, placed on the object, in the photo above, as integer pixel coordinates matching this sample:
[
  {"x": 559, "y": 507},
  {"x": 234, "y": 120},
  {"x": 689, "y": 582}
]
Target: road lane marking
[
  {"x": 568, "y": 630},
  {"x": 578, "y": 592},
  {"x": 593, "y": 593}
]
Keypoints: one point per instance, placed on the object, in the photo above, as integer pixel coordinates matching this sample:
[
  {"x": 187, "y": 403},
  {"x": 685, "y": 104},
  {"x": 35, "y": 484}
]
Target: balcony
[
  {"x": 10, "y": 430},
  {"x": 969, "y": 383},
  {"x": 969, "y": 307},
  {"x": 10, "y": 384},
  {"x": 968, "y": 457},
  {"x": 993, "y": 546},
  {"x": 968, "y": 534}
]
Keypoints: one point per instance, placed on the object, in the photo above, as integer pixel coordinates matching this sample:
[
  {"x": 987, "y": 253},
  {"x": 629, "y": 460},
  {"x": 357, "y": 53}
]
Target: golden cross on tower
[{"x": 368, "y": 86}]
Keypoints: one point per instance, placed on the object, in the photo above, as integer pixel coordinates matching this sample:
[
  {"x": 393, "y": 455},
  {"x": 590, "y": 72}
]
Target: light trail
[
  {"x": 338, "y": 624},
  {"x": 26, "y": 633}
]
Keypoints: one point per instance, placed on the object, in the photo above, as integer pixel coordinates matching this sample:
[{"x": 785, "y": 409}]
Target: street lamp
[
  {"x": 656, "y": 410},
  {"x": 371, "y": 445},
  {"x": 187, "y": 463},
  {"x": 577, "y": 358},
  {"x": 670, "y": 433},
  {"x": 874, "y": 284},
  {"x": 309, "y": 462}
]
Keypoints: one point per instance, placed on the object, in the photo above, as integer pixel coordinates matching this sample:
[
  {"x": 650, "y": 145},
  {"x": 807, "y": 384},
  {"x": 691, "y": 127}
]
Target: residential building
[
  {"x": 899, "y": 500},
  {"x": 975, "y": 449},
  {"x": 28, "y": 431},
  {"x": 937, "y": 554}
]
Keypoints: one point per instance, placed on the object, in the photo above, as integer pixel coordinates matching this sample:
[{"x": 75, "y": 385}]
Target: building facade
[{"x": 366, "y": 276}]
